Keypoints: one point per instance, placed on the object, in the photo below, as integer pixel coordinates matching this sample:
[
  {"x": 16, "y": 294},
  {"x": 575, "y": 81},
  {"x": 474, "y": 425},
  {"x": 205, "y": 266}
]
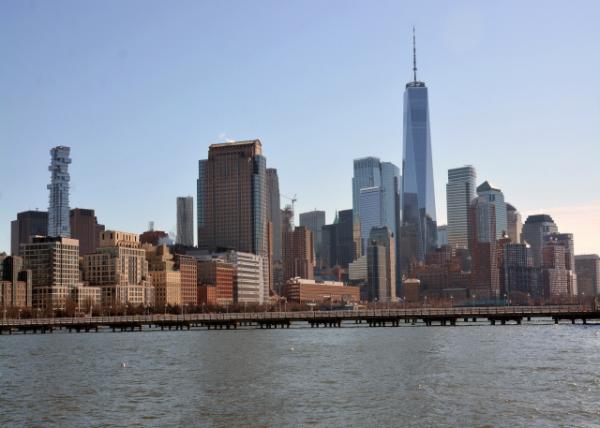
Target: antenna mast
[{"x": 414, "y": 56}]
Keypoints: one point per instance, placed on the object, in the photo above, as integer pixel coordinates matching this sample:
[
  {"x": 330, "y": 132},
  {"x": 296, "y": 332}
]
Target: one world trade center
[{"x": 419, "y": 227}]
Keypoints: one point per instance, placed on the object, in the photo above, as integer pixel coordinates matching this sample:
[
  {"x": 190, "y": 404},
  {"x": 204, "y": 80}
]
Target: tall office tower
[
  {"x": 391, "y": 183},
  {"x": 201, "y": 203},
  {"x": 460, "y": 191},
  {"x": 535, "y": 229},
  {"x": 485, "y": 279},
  {"x": 495, "y": 197},
  {"x": 233, "y": 211},
  {"x": 314, "y": 221},
  {"x": 54, "y": 265},
  {"x": 555, "y": 275},
  {"x": 298, "y": 254},
  {"x": 341, "y": 241},
  {"x": 518, "y": 278},
  {"x": 588, "y": 274},
  {"x": 27, "y": 224},
  {"x": 514, "y": 224},
  {"x": 370, "y": 172},
  {"x": 566, "y": 241},
  {"x": 418, "y": 198},
  {"x": 329, "y": 245},
  {"x": 442, "y": 232},
  {"x": 119, "y": 267},
  {"x": 348, "y": 236},
  {"x": 381, "y": 265},
  {"x": 58, "y": 208},
  {"x": 274, "y": 211},
  {"x": 367, "y": 173},
  {"x": 370, "y": 208},
  {"x": 185, "y": 221},
  {"x": 85, "y": 228}
]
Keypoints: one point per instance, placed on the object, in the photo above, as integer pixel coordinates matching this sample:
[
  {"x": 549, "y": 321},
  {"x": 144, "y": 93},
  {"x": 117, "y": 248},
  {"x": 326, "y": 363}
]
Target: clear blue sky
[{"x": 139, "y": 89}]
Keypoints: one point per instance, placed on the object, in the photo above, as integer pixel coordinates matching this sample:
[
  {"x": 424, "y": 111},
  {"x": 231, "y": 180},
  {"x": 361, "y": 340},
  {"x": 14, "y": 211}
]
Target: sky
[{"x": 140, "y": 89}]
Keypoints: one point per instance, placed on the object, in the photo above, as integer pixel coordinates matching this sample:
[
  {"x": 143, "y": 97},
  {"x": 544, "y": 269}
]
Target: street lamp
[{"x": 451, "y": 301}]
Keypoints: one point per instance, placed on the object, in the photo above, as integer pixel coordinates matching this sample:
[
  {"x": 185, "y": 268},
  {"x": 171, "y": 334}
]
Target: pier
[{"x": 502, "y": 315}]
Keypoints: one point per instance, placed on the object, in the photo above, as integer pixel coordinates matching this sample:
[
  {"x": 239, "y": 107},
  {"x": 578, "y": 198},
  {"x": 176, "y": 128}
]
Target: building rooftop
[
  {"x": 236, "y": 143},
  {"x": 486, "y": 186},
  {"x": 539, "y": 218}
]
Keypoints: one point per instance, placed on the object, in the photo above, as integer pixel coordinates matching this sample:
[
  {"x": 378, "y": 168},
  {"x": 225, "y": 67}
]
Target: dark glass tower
[{"x": 419, "y": 229}]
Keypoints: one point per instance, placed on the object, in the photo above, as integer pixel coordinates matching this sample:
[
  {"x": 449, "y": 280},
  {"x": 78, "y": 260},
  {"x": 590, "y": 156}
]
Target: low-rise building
[
  {"x": 207, "y": 295},
  {"x": 411, "y": 289},
  {"x": 120, "y": 269},
  {"x": 301, "y": 290},
  {"x": 166, "y": 279},
  {"x": 249, "y": 280},
  {"x": 219, "y": 274}
]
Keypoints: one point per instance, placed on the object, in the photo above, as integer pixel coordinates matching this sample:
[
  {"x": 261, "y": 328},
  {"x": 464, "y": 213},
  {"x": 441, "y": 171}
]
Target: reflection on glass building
[{"x": 419, "y": 230}]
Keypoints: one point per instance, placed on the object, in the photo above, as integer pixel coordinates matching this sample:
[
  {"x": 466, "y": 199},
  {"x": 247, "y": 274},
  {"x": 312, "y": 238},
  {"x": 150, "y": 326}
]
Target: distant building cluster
[{"x": 248, "y": 250}]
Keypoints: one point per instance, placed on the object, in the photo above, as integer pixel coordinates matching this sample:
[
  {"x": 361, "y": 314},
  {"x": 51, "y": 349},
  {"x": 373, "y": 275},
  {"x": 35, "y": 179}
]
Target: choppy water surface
[{"x": 408, "y": 376}]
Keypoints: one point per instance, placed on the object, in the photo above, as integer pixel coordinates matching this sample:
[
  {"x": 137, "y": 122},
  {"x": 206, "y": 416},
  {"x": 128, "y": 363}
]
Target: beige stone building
[
  {"x": 166, "y": 279},
  {"x": 120, "y": 269}
]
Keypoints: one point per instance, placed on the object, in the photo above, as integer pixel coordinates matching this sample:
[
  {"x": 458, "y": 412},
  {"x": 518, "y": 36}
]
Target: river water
[{"x": 463, "y": 376}]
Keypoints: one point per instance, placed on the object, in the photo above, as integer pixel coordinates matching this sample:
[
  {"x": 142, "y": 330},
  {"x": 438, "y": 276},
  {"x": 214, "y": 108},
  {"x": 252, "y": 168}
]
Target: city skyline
[{"x": 525, "y": 182}]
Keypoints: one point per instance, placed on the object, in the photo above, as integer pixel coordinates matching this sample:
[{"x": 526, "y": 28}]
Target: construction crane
[{"x": 293, "y": 200}]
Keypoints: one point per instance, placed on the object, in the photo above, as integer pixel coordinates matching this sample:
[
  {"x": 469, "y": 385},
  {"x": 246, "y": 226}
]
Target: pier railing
[{"x": 581, "y": 311}]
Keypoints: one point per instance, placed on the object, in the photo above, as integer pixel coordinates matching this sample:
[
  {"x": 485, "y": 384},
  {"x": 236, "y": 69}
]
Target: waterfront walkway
[{"x": 372, "y": 317}]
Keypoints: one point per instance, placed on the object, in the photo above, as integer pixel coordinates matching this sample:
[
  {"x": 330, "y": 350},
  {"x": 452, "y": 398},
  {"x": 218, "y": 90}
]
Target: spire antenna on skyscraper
[{"x": 414, "y": 55}]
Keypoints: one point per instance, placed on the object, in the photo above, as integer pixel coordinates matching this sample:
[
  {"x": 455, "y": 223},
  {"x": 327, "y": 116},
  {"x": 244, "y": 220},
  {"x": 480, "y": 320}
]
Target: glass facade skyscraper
[
  {"x": 371, "y": 173},
  {"x": 418, "y": 198},
  {"x": 58, "y": 207},
  {"x": 367, "y": 173},
  {"x": 460, "y": 191}
]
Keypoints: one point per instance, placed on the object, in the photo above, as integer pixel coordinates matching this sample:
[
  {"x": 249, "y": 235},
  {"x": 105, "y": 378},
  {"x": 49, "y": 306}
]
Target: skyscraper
[
  {"x": 341, "y": 241},
  {"x": 185, "y": 221},
  {"x": 274, "y": 211},
  {"x": 85, "y": 228},
  {"x": 233, "y": 211},
  {"x": 370, "y": 173},
  {"x": 367, "y": 173},
  {"x": 460, "y": 191},
  {"x": 381, "y": 265},
  {"x": 27, "y": 224},
  {"x": 58, "y": 208},
  {"x": 495, "y": 197},
  {"x": 200, "y": 202},
  {"x": 418, "y": 198},
  {"x": 514, "y": 223},
  {"x": 298, "y": 255},
  {"x": 314, "y": 221},
  {"x": 485, "y": 276},
  {"x": 535, "y": 230},
  {"x": 391, "y": 182},
  {"x": 370, "y": 210}
]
